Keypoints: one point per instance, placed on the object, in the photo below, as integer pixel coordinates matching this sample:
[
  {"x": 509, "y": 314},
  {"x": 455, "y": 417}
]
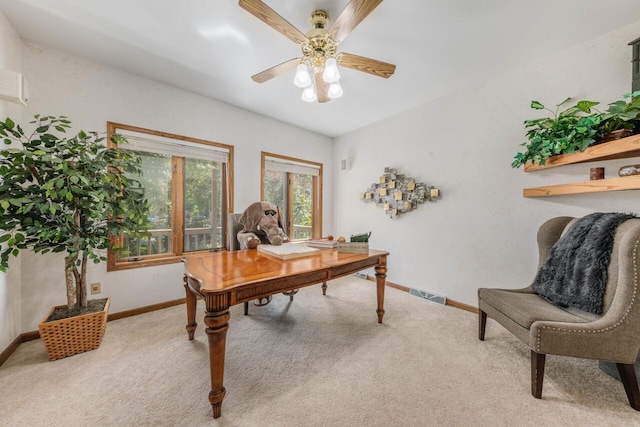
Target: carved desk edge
[{"x": 192, "y": 281}]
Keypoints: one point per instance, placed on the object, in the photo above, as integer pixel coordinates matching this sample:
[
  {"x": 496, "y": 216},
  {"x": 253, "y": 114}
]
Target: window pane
[
  {"x": 203, "y": 205},
  {"x": 302, "y": 206},
  {"x": 186, "y": 183},
  {"x": 156, "y": 181},
  {"x": 275, "y": 191}
]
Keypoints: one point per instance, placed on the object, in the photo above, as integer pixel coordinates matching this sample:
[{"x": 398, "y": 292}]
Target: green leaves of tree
[{"x": 62, "y": 193}]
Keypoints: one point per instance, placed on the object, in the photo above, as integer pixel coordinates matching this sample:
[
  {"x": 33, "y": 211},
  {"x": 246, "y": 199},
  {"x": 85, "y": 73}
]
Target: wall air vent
[{"x": 13, "y": 87}]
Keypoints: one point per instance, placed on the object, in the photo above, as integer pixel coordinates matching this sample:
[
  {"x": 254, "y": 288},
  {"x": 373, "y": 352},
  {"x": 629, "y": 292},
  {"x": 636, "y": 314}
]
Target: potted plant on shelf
[
  {"x": 566, "y": 131},
  {"x": 67, "y": 194},
  {"x": 621, "y": 118}
]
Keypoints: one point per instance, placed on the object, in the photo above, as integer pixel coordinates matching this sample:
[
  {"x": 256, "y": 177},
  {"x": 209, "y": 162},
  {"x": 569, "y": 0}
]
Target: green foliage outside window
[
  {"x": 276, "y": 191},
  {"x": 302, "y": 205}
]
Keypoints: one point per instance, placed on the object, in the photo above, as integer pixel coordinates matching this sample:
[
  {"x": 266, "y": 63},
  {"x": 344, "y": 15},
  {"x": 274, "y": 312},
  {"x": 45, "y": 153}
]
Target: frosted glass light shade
[
  {"x": 309, "y": 94},
  {"x": 335, "y": 90},
  {"x": 302, "y": 78},
  {"x": 331, "y": 73}
]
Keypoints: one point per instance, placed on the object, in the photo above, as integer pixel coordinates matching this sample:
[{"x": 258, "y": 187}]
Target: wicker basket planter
[{"x": 66, "y": 337}]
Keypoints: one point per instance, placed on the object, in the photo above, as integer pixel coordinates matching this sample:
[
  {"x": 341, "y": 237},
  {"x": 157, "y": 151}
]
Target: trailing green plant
[
  {"x": 621, "y": 114},
  {"x": 67, "y": 194},
  {"x": 572, "y": 129}
]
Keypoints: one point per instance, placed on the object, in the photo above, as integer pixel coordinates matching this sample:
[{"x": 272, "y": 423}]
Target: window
[
  {"x": 295, "y": 186},
  {"x": 188, "y": 186}
]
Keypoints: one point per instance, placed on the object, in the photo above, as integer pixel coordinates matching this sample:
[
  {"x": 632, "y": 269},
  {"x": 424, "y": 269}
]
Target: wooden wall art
[{"x": 397, "y": 194}]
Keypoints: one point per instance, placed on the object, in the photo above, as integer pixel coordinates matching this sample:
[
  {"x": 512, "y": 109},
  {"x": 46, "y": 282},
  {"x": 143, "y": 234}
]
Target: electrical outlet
[{"x": 95, "y": 288}]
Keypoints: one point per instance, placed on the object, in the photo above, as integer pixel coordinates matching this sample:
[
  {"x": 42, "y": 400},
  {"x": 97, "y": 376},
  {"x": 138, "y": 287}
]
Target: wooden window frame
[
  {"x": 113, "y": 264},
  {"x": 316, "y": 212}
]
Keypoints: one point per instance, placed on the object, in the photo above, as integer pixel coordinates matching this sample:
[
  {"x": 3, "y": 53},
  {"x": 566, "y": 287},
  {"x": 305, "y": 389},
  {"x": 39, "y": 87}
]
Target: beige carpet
[{"x": 319, "y": 361}]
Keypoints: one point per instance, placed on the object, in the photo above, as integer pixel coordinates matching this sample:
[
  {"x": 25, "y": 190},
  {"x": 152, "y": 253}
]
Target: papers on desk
[{"x": 287, "y": 250}]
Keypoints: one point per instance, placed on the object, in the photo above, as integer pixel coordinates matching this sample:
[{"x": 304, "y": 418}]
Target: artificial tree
[{"x": 67, "y": 194}]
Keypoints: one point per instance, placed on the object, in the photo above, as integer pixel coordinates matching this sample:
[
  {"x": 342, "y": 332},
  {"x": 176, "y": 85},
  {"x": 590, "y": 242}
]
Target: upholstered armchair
[{"x": 613, "y": 335}]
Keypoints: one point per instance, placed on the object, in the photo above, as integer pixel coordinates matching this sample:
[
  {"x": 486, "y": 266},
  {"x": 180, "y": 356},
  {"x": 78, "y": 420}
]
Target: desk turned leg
[
  {"x": 217, "y": 320},
  {"x": 381, "y": 276},
  {"x": 191, "y": 309}
]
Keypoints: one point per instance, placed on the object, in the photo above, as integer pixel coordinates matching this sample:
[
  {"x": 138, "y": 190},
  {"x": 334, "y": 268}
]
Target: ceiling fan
[{"x": 316, "y": 70}]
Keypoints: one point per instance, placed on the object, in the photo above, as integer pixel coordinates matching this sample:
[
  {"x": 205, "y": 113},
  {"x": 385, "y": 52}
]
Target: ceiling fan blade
[
  {"x": 279, "y": 69},
  {"x": 267, "y": 15},
  {"x": 350, "y": 17},
  {"x": 322, "y": 89},
  {"x": 367, "y": 65}
]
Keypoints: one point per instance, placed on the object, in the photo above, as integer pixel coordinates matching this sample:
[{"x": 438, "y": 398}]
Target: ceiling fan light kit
[
  {"x": 318, "y": 57},
  {"x": 330, "y": 74},
  {"x": 317, "y": 70}
]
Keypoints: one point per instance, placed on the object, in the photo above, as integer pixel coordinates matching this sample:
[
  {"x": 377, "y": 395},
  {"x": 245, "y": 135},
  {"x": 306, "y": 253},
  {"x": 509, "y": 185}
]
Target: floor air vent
[{"x": 428, "y": 296}]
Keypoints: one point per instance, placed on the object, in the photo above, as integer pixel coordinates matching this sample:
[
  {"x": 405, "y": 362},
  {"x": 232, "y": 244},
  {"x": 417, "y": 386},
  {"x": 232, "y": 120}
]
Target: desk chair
[{"x": 233, "y": 227}]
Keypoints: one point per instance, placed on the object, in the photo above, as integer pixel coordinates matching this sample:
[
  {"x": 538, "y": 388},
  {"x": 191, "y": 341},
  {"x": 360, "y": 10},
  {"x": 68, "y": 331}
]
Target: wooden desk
[{"x": 224, "y": 279}]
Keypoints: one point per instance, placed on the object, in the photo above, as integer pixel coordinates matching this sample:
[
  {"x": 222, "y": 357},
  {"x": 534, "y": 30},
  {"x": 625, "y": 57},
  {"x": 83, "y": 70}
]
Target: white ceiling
[{"x": 212, "y": 47}]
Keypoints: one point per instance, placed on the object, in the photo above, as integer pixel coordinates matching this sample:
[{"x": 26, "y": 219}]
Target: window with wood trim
[
  {"x": 188, "y": 184},
  {"x": 295, "y": 186}
]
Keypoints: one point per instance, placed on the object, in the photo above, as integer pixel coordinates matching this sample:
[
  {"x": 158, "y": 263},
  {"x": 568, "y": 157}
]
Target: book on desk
[
  {"x": 322, "y": 243},
  {"x": 288, "y": 250}
]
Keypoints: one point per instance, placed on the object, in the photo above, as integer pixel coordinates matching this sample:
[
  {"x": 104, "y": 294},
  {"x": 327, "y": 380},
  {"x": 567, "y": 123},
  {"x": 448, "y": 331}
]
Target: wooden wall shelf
[
  {"x": 619, "y": 149},
  {"x": 609, "y": 184}
]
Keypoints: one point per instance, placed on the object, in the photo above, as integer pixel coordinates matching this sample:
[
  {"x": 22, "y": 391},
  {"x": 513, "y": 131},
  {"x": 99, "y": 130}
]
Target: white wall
[
  {"x": 10, "y": 282},
  {"x": 482, "y": 232},
  {"x": 91, "y": 94}
]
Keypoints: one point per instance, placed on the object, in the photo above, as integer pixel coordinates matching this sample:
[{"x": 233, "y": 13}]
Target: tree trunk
[
  {"x": 82, "y": 283},
  {"x": 69, "y": 270},
  {"x": 79, "y": 282}
]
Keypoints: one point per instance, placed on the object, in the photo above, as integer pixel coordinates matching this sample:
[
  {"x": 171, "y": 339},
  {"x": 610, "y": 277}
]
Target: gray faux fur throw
[{"x": 575, "y": 271}]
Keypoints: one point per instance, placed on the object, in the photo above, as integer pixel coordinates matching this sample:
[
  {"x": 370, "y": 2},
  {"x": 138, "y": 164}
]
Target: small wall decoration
[{"x": 397, "y": 194}]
